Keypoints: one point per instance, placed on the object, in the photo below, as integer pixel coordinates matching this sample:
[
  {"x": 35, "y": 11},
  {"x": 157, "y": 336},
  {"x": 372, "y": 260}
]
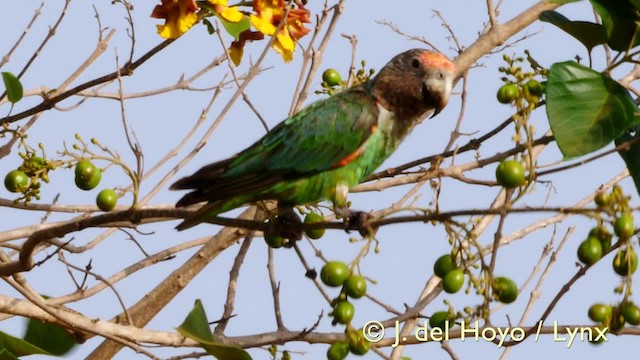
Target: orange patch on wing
[
  {"x": 356, "y": 154},
  {"x": 349, "y": 158},
  {"x": 436, "y": 60}
]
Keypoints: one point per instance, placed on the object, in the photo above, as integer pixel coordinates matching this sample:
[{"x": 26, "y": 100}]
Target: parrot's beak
[
  {"x": 438, "y": 108},
  {"x": 435, "y": 93}
]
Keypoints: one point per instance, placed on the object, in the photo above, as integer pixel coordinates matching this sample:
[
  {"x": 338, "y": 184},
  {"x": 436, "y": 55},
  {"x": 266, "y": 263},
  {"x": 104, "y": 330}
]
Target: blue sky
[{"x": 407, "y": 251}]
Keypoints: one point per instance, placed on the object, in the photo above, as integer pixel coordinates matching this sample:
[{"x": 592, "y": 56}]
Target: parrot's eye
[{"x": 415, "y": 63}]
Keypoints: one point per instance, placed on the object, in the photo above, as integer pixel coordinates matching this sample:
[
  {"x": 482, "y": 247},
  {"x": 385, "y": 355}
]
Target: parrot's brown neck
[{"x": 399, "y": 97}]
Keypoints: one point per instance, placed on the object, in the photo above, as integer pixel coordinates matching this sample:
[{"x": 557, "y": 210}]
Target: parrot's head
[{"x": 415, "y": 83}]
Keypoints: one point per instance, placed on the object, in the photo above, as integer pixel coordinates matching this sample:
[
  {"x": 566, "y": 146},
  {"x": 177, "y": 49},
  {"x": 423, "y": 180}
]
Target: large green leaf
[
  {"x": 49, "y": 337},
  {"x": 620, "y": 19},
  {"x": 13, "y": 86},
  {"x": 631, "y": 156},
  {"x": 196, "y": 327},
  {"x": 17, "y": 347},
  {"x": 586, "y": 109},
  {"x": 7, "y": 355},
  {"x": 588, "y": 33}
]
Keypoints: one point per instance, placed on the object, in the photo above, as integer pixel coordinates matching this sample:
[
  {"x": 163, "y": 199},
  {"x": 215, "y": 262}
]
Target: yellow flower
[
  {"x": 263, "y": 25},
  {"x": 231, "y": 14},
  {"x": 179, "y": 15},
  {"x": 269, "y": 14}
]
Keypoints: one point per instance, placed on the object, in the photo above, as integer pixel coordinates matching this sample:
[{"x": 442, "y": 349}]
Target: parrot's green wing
[{"x": 320, "y": 137}]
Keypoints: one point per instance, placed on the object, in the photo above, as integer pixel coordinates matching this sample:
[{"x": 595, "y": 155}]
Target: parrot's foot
[
  {"x": 287, "y": 224},
  {"x": 356, "y": 220}
]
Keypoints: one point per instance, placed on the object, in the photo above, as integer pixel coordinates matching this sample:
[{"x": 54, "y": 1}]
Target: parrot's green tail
[{"x": 206, "y": 212}]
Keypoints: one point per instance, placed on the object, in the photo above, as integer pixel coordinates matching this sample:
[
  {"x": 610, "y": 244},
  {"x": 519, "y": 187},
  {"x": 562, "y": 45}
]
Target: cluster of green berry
[
  {"x": 337, "y": 274},
  {"x": 504, "y": 289},
  {"x": 276, "y": 241},
  {"x": 334, "y": 274},
  {"x": 599, "y": 240},
  {"x": 522, "y": 90},
  {"x": 87, "y": 177},
  {"x": 510, "y": 92},
  {"x": 332, "y": 80},
  {"x": 599, "y": 243},
  {"x": 615, "y": 317},
  {"x": 521, "y": 85},
  {"x": 26, "y": 179}
]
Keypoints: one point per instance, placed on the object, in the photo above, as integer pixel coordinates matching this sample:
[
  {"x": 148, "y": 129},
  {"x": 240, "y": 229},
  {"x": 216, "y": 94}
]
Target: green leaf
[
  {"x": 234, "y": 29},
  {"x": 7, "y": 355},
  {"x": 631, "y": 156},
  {"x": 49, "y": 337},
  {"x": 210, "y": 29},
  {"x": 13, "y": 86},
  {"x": 589, "y": 34},
  {"x": 18, "y": 347},
  {"x": 586, "y": 109},
  {"x": 196, "y": 327},
  {"x": 620, "y": 19}
]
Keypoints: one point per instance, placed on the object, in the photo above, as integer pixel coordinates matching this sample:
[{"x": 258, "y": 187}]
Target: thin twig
[
  {"x": 275, "y": 290},
  {"x": 5, "y": 59},
  {"x": 234, "y": 273}
]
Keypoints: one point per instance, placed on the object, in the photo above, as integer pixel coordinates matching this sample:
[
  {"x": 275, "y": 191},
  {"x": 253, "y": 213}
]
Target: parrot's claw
[
  {"x": 356, "y": 220},
  {"x": 287, "y": 224}
]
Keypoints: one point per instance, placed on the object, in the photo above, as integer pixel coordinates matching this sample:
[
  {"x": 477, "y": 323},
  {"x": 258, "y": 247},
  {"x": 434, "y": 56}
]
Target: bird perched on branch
[{"x": 328, "y": 147}]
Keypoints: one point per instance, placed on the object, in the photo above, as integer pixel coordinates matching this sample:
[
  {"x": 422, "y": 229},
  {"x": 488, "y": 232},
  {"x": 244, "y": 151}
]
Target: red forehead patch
[{"x": 436, "y": 60}]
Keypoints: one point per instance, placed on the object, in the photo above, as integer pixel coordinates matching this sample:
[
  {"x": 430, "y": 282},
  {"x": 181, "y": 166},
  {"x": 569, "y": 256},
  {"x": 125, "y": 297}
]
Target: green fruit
[
  {"x": 91, "y": 183},
  {"x": 355, "y": 286},
  {"x": 604, "y": 236},
  {"x": 510, "y": 174},
  {"x": 85, "y": 170},
  {"x": 534, "y": 88},
  {"x": 624, "y": 264},
  {"x": 602, "y": 199},
  {"x": 623, "y": 227},
  {"x": 106, "y": 200},
  {"x": 600, "y": 312},
  {"x": 444, "y": 265},
  {"x": 314, "y": 218},
  {"x": 358, "y": 344},
  {"x": 334, "y": 273},
  {"x": 35, "y": 163},
  {"x": 332, "y": 77},
  {"x": 596, "y": 340},
  {"x": 505, "y": 289},
  {"x": 274, "y": 241},
  {"x": 508, "y": 93},
  {"x": 617, "y": 320},
  {"x": 439, "y": 318},
  {"x": 631, "y": 314},
  {"x": 338, "y": 351},
  {"x": 453, "y": 281},
  {"x": 343, "y": 312},
  {"x": 16, "y": 181},
  {"x": 590, "y": 251}
]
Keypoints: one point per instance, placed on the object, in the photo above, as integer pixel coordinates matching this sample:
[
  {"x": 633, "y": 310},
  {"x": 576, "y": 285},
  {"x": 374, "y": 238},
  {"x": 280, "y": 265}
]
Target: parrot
[{"x": 328, "y": 147}]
